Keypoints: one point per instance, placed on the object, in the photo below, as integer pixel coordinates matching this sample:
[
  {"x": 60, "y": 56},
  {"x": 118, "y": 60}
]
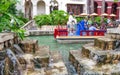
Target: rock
[{"x": 29, "y": 46}]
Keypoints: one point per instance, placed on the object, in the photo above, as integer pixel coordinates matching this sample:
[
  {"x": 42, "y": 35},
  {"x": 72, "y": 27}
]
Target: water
[
  {"x": 18, "y": 49},
  {"x": 53, "y": 45},
  {"x": 62, "y": 48},
  {"x": 16, "y": 64}
]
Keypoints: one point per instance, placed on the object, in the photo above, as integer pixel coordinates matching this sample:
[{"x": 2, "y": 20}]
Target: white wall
[{"x": 62, "y": 5}]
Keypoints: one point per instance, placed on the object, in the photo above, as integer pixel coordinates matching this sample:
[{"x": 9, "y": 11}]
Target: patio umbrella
[
  {"x": 112, "y": 15},
  {"x": 84, "y": 14},
  {"x": 94, "y": 14},
  {"x": 104, "y": 14}
]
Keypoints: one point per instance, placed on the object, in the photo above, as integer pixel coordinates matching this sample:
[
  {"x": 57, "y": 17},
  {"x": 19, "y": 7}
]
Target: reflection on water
[{"x": 63, "y": 48}]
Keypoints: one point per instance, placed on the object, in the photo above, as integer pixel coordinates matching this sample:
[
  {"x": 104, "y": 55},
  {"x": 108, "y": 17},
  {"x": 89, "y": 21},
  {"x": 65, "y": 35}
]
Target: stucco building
[
  {"x": 36, "y": 7},
  {"x": 110, "y": 6},
  {"x": 30, "y": 8}
]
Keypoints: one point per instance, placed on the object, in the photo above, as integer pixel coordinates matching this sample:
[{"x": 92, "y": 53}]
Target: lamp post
[{"x": 53, "y": 3}]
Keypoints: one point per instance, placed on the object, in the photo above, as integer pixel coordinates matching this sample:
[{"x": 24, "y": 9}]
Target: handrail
[
  {"x": 27, "y": 25},
  {"x": 92, "y": 32},
  {"x": 64, "y": 32}
]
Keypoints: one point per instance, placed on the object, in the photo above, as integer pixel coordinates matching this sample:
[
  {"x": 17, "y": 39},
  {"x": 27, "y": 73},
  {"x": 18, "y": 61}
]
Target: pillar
[
  {"x": 118, "y": 11},
  {"x": 109, "y": 8},
  {"x": 99, "y": 7}
]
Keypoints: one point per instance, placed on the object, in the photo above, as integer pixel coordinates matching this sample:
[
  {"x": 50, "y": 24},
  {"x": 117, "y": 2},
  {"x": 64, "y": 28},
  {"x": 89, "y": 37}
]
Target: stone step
[
  {"x": 113, "y": 36},
  {"x": 29, "y": 45},
  {"x": 56, "y": 66},
  {"x": 105, "y": 43},
  {"x": 86, "y": 66},
  {"x": 99, "y": 55},
  {"x": 113, "y": 30},
  {"x": 42, "y": 56}
]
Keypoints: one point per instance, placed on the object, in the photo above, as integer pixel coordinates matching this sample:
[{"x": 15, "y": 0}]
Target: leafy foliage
[
  {"x": 59, "y": 17},
  {"x": 55, "y": 18},
  {"x": 7, "y": 9},
  {"x": 43, "y": 20},
  {"x": 79, "y": 19},
  {"x": 98, "y": 20}
]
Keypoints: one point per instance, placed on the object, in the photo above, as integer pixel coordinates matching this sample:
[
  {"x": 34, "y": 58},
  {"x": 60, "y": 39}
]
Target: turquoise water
[{"x": 62, "y": 48}]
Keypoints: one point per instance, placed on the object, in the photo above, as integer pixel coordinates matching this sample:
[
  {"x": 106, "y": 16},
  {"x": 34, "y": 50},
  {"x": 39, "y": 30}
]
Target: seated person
[{"x": 92, "y": 27}]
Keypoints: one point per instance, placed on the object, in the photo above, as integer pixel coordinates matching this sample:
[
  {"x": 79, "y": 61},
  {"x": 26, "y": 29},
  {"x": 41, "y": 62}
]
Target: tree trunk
[
  {"x": 102, "y": 10},
  {"x": 89, "y": 6},
  {"x": 30, "y": 6},
  {"x": 92, "y": 6},
  {"x": 25, "y": 9}
]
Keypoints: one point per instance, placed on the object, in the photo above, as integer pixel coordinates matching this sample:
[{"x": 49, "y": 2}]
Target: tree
[{"x": 6, "y": 14}]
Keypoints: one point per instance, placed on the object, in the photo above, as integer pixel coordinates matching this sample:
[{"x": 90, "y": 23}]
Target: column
[
  {"x": 92, "y": 6},
  {"x": 109, "y": 8},
  {"x": 119, "y": 13},
  {"x": 99, "y": 7}
]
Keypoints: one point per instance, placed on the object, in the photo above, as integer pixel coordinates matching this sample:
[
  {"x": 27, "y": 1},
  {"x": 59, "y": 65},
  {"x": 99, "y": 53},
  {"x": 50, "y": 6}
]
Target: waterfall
[
  {"x": 2, "y": 67},
  {"x": 15, "y": 62},
  {"x": 117, "y": 45},
  {"x": 18, "y": 49},
  {"x": 23, "y": 55}
]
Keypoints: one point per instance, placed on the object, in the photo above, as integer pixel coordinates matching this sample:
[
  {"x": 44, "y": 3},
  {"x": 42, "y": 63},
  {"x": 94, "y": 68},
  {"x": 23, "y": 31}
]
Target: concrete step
[
  {"x": 99, "y": 55},
  {"x": 113, "y": 36},
  {"x": 105, "y": 43},
  {"x": 86, "y": 66}
]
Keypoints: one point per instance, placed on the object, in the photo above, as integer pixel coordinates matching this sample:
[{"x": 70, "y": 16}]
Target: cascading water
[
  {"x": 2, "y": 67},
  {"x": 21, "y": 54},
  {"x": 18, "y": 49},
  {"x": 16, "y": 64}
]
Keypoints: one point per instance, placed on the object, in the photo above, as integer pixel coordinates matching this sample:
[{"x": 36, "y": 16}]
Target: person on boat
[
  {"x": 103, "y": 26},
  {"x": 71, "y": 24},
  {"x": 92, "y": 28},
  {"x": 81, "y": 26}
]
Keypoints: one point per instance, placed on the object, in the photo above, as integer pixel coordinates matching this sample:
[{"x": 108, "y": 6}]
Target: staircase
[{"x": 99, "y": 58}]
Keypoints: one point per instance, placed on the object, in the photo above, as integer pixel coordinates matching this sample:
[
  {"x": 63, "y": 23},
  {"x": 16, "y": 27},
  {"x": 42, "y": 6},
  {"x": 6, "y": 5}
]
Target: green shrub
[
  {"x": 79, "y": 19},
  {"x": 55, "y": 18},
  {"x": 98, "y": 20},
  {"x": 59, "y": 17},
  {"x": 43, "y": 20}
]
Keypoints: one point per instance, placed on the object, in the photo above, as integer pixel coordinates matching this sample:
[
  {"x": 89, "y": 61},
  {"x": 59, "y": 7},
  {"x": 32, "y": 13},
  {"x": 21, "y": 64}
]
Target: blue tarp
[{"x": 80, "y": 26}]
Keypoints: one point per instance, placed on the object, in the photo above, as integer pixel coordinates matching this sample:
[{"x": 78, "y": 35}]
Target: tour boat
[{"x": 61, "y": 35}]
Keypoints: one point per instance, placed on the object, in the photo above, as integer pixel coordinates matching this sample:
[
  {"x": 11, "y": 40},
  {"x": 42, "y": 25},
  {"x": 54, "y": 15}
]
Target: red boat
[{"x": 61, "y": 35}]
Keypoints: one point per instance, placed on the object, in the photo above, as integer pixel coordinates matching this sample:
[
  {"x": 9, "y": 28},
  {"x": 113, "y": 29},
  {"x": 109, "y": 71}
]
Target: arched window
[
  {"x": 114, "y": 8},
  {"x": 41, "y": 7}
]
